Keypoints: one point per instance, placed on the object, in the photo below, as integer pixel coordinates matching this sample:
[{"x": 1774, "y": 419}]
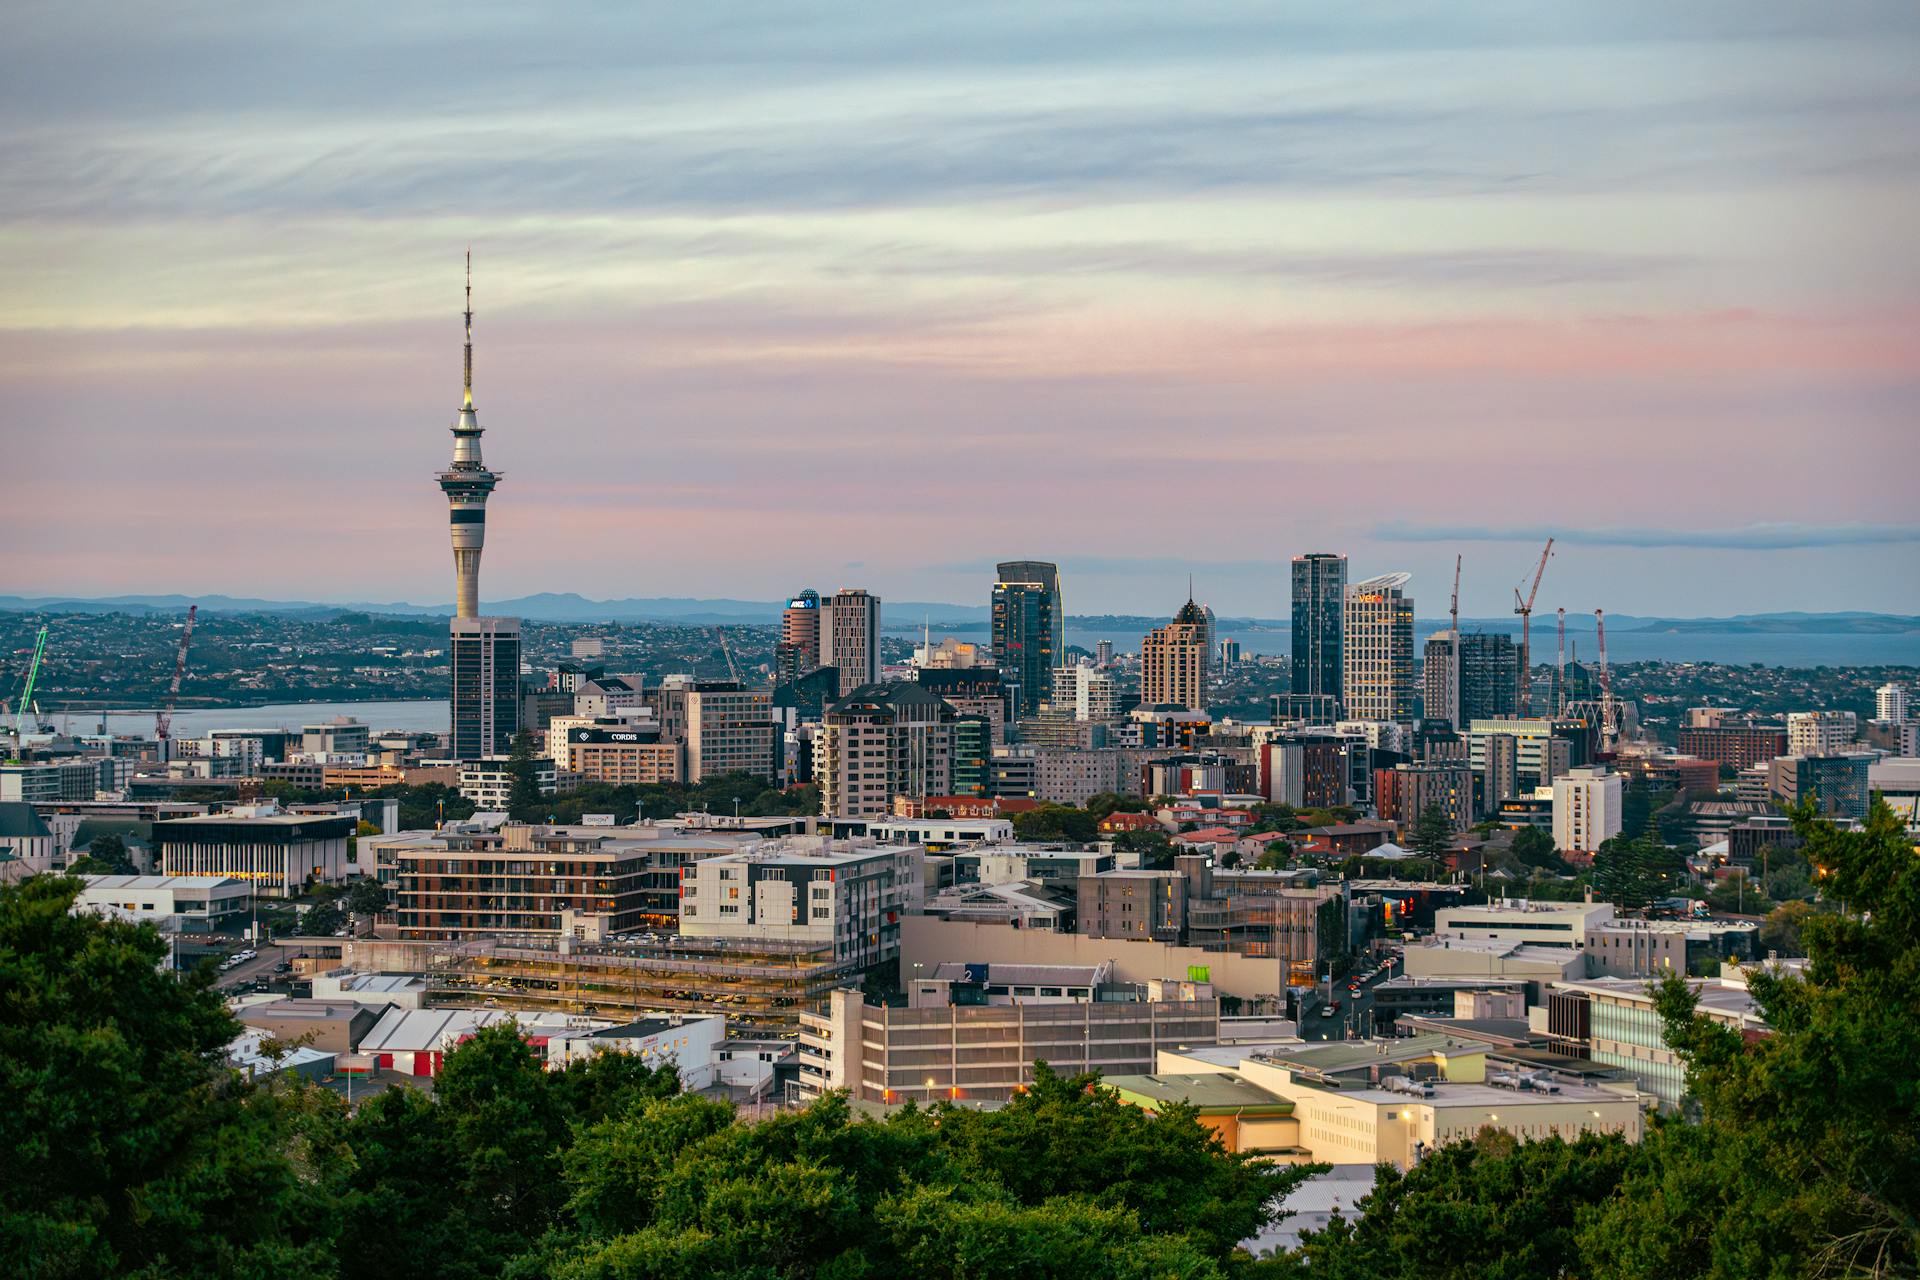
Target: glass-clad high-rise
[
  {"x": 1029, "y": 630},
  {"x": 1319, "y": 629}
]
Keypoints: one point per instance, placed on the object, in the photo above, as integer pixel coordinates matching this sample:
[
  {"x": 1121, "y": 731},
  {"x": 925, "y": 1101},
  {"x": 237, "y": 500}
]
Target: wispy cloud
[{"x": 1753, "y": 537}]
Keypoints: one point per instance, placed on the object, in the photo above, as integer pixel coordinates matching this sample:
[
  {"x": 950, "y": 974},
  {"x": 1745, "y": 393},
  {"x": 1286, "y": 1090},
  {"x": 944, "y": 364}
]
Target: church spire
[{"x": 468, "y": 379}]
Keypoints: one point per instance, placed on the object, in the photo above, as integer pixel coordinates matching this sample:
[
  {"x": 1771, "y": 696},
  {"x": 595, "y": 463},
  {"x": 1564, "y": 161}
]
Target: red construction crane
[
  {"x": 163, "y": 719},
  {"x": 1608, "y": 731},
  {"x": 1525, "y": 609}
]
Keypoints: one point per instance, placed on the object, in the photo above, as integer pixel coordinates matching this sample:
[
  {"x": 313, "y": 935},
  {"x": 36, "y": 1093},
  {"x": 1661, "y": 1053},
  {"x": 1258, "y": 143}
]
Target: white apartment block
[
  {"x": 1821, "y": 733},
  {"x": 1586, "y": 810},
  {"x": 807, "y": 890},
  {"x": 1890, "y": 703}
]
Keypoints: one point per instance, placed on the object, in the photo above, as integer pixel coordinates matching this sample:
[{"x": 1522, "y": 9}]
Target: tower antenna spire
[{"x": 467, "y": 380}]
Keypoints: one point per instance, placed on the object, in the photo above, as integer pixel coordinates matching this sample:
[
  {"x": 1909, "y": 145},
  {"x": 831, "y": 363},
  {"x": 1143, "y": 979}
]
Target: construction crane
[
  {"x": 163, "y": 719},
  {"x": 1453, "y": 610},
  {"x": 1608, "y": 731},
  {"x": 33, "y": 673},
  {"x": 1525, "y": 609},
  {"x": 733, "y": 668},
  {"x": 1560, "y": 663}
]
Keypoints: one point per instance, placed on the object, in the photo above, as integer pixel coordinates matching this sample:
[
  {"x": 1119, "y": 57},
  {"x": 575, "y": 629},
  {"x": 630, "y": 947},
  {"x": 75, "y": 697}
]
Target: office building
[
  {"x": 344, "y": 736},
  {"x": 1469, "y": 677},
  {"x": 962, "y": 1037},
  {"x": 1622, "y": 948},
  {"x": 728, "y": 730},
  {"x": 1837, "y": 784},
  {"x": 1543, "y": 749},
  {"x": 1586, "y": 811},
  {"x": 1377, "y": 650},
  {"x": 1562, "y": 925},
  {"x": 1613, "y": 1022},
  {"x": 1890, "y": 703},
  {"x": 974, "y": 737},
  {"x": 1103, "y": 653},
  {"x": 1028, "y": 630},
  {"x": 175, "y": 904},
  {"x": 799, "y": 649},
  {"x": 1173, "y": 661},
  {"x": 1738, "y": 746},
  {"x": 850, "y": 637},
  {"x": 1367, "y": 1104},
  {"x": 1229, "y": 653},
  {"x": 635, "y": 720},
  {"x": 278, "y": 854},
  {"x": 846, "y": 900},
  {"x": 883, "y": 741},
  {"x": 1499, "y": 771},
  {"x": 1821, "y": 733},
  {"x": 485, "y": 707},
  {"x": 1319, "y": 603}
]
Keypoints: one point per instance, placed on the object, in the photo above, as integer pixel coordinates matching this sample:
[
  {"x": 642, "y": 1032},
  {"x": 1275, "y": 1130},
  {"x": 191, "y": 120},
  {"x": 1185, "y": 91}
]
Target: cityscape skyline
[{"x": 1390, "y": 315}]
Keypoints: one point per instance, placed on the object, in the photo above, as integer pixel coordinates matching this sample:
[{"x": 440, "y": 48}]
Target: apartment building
[{"x": 842, "y": 898}]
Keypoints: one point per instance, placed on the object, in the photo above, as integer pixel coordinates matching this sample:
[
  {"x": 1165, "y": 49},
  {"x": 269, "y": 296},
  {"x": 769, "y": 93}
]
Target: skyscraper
[
  {"x": 1319, "y": 599},
  {"x": 1028, "y": 629},
  {"x": 1890, "y": 703},
  {"x": 850, "y": 637},
  {"x": 1377, "y": 650},
  {"x": 485, "y": 703},
  {"x": 486, "y": 686},
  {"x": 1469, "y": 677},
  {"x": 799, "y": 649},
  {"x": 1173, "y": 661}
]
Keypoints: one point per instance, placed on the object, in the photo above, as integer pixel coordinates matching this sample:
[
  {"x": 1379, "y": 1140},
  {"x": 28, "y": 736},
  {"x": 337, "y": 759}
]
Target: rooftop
[
  {"x": 153, "y": 884},
  {"x": 1211, "y": 1091}
]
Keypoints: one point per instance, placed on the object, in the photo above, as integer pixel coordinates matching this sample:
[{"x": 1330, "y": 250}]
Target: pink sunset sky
[{"x": 773, "y": 296}]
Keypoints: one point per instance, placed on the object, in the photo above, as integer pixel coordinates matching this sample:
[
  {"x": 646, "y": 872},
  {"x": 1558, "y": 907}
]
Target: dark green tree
[
  {"x": 1432, "y": 832},
  {"x": 131, "y": 1148},
  {"x": 322, "y": 919},
  {"x": 1631, "y": 873},
  {"x": 1534, "y": 848},
  {"x": 1806, "y": 1160},
  {"x": 1492, "y": 1207},
  {"x": 525, "y": 803},
  {"x": 366, "y": 897},
  {"x": 1056, "y": 822},
  {"x": 109, "y": 850}
]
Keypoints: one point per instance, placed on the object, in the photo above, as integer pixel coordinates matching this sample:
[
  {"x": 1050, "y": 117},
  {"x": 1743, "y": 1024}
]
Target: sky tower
[
  {"x": 484, "y": 708},
  {"x": 467, "y": 484}
]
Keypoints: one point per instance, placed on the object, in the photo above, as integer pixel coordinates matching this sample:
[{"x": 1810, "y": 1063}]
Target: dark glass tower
[
  {"x": 1319, "y": 627},
  {"x": 1029, "y": 630}
]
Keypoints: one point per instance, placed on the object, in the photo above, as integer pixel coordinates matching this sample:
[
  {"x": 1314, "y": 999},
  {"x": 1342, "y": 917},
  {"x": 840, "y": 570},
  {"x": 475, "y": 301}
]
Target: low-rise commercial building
[
  {"x": 279, "y": 854},
  {"x": 940, "y": 1050},
  {"x": 1538, "y": 923},
  {"x": 1389, "y": 1102},
  {"x": 181, "y": 904},
  {"x": 1654, "y": 948},
  {"x": 1613, "y": 1021}
]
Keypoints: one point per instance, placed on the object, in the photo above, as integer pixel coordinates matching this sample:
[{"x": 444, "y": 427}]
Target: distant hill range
[{"x": 909, "y": 615}]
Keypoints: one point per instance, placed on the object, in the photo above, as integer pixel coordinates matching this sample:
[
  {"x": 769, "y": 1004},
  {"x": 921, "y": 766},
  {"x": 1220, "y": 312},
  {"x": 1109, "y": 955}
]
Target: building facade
[
  {"x": 1173, "y": 662},
  {"x": 882, "y": 741},
  {"x": 850, "y": 637},
  {"x": 1319, "y": 604},
  {"x": 278, "y": 854},
  {"x": 1377, "y": 650},
  {"x": 1028, "y": 630},
  {"x": 1586, "y": 810},
  {"x": 485, "y": 706}
]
